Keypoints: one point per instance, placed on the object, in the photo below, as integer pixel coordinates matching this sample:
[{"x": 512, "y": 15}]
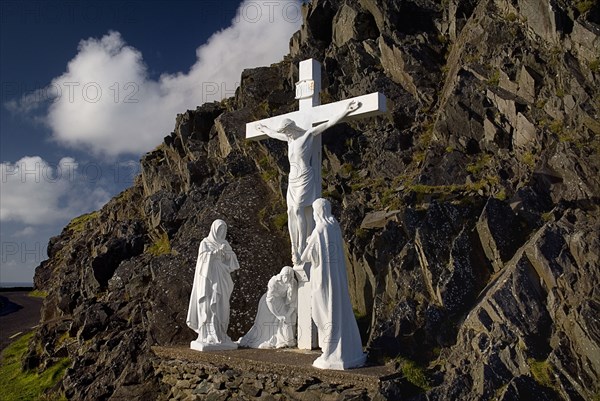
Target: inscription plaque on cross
[{"x": 304, "y": 152}]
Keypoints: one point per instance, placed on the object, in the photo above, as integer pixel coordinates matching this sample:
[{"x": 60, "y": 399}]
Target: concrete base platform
[
  {"x": 198, "y": 346},
  {"x": 287, "y": 362}
]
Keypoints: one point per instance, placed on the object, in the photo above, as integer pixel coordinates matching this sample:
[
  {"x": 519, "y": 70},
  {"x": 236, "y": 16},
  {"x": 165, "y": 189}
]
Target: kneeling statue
[{"x": 275, "y": 322}]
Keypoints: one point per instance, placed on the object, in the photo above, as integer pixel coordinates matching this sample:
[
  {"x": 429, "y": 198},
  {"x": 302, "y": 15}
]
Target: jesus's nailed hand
[{"x": 353, "y": 105}]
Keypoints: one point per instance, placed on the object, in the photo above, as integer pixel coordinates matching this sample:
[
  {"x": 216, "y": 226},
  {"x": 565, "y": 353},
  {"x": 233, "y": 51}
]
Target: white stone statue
[
  {"x": 302, "y": 187},
  {"x": 275, "y": 322},
  {"x": 208, "y": 312},
  {"x": 332, "y": 312}
]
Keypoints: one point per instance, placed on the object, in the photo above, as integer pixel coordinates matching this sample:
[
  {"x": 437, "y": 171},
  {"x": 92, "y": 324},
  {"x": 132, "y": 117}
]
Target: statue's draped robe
[
  {"x": 332, "y": 312},
  {"x": 268, "y": 331},
  {"x": 208, "y": 311}
]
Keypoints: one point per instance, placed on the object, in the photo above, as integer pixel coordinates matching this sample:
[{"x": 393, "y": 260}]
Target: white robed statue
[
  {"x": 208, "y": 312},
  {"x": 275, "y": 322},
  {"x": 332, "y": 313}
]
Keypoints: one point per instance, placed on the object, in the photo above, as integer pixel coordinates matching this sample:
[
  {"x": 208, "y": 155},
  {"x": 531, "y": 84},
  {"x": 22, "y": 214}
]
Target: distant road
[{"x": 17, "y": 320}]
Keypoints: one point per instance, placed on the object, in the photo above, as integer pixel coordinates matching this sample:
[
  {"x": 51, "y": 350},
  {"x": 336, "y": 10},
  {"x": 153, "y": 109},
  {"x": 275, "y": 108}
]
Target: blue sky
[{"x": 88, "y": 87}]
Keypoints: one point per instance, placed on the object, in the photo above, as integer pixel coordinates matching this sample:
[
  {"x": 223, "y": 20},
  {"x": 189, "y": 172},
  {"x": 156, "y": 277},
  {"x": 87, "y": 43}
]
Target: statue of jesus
[{"x": 302, "y": 186}]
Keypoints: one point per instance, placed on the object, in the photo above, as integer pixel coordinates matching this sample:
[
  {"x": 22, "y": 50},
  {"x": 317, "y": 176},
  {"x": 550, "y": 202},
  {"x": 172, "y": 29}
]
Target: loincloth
[{"x": 301, "y": 189}]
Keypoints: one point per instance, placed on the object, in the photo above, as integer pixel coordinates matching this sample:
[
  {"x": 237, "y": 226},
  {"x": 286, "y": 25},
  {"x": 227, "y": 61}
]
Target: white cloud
[
  {"x": 19, "y": 255},
  {"x": 34, "y": 192},
  {"x": 108, "y": 104},
  {"x": 25, "y": 232}
]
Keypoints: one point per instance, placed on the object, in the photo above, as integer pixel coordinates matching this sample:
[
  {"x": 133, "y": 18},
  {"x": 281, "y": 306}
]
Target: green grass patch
[
  {"x": 264, "y": 108},
  {"x": 78, "y": 223},
  {"x": 541, "y": 372},
  {"x": 501, "y": 195},
  {"x": 556, "y": 127},
  {"x": 333, "y": 194},
  {"x": 268, "y": 175},
  {"x": 488, "y": 180},
  {"x": 415, "y": 374},
  {"x": 376, "y": 185},
  {"x": 161, "y": 246},
  {"x": 569, "y": 136},
  {"x": 494, "y": 79},
  {"x": 268, "y": 171},
  {"x": 426, "y": 136},
  {"x": 347, "y": 168},
  {"x": 358, "y": 186},
  {"x": 585, "y": 5},
  {"x": 262, "y": 213},
  {"x": 64, "y": 337},
  {"x": 529, "y": 159},
  {"x": 390, "y": 199},
  {"x": 481, "y": 163},
  {"x": 27, "y": 386},
  {"x": 472, "y": 57},
  {"x": 434, "y": 189},
  {"x": 418, "y": 157},
  {"x": 38, "y": 294},
  {"x": 566, "y": 136},
  {"x": 264, "y": 162},
  {"x": 361, "y": 233},
  {"x": 280, "y": 220}
]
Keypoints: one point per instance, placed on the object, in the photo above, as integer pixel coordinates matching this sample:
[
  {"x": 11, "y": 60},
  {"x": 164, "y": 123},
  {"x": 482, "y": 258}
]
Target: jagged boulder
[{"x": 517, "y": 326}]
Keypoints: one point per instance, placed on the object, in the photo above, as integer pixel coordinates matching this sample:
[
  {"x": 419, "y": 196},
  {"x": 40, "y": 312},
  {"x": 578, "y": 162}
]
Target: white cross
[{"x": 312, "y": 113}]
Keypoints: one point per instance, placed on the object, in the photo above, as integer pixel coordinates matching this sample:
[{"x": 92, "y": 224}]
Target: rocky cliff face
[{"x": 470, "y": 211}]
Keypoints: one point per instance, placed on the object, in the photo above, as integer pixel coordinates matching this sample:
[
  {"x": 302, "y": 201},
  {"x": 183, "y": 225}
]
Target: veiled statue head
[
  {"x": 322, "y": 211},
  {"x": 218, "y": 230}
]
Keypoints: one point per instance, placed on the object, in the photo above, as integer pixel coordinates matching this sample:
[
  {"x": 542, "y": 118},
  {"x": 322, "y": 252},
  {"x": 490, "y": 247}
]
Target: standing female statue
[
  {"x": 208, "y": 312},
  {"x": 332, "y": 313}
]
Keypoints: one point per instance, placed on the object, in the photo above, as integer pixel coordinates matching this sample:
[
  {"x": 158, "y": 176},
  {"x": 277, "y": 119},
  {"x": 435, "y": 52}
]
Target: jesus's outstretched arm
[
  {"x": 352, "y": 106},
  {"x": 271, "y": 133}
]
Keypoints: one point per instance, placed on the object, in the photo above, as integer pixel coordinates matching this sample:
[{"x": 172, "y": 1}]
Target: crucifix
[{"x": 301, "y": 130}]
